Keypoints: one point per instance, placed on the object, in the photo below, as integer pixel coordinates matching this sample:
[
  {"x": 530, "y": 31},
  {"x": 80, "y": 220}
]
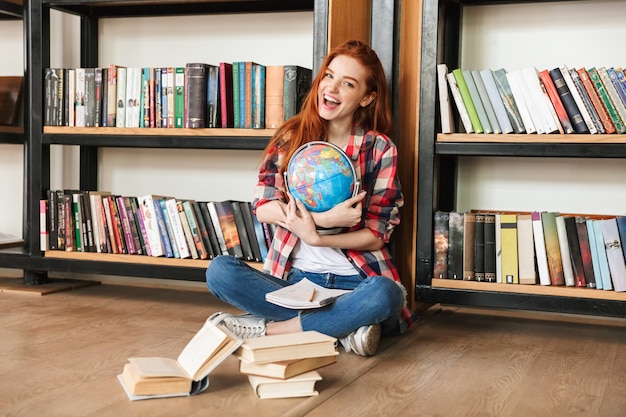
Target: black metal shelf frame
[{"x": 437, "y": 163}]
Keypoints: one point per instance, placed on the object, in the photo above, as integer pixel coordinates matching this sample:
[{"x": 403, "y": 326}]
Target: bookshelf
[
  {"x": 437, "y": 169},
  {"x": 346, "y": 22}
]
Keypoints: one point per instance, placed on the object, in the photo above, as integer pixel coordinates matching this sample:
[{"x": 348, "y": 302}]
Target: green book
[
  {"x": 467, "y": 100},
  {"x": 606, "y": 100},
  {"x": 236, "y": 97},
  {"x": 179, "y": 96}
]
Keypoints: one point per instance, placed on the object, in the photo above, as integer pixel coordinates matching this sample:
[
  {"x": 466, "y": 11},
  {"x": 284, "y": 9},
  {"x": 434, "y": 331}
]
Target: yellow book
[
  {"x": 298, "y": 386},
  {"x": 508, "y": 236},
  {"x": 283, "y": 347},
  {"x": 286, "y": 369}
]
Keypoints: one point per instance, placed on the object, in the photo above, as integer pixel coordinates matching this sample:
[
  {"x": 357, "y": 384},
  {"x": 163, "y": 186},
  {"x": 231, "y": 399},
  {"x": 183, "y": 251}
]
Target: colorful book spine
[
  {"x": 458, "y": 101},
  {"x": 613, "y": 94},
  {"x": 490, "y": 247},
  {"x": 553, "y": 250},
  {"x": 595, "y": 100},
  {"x": 179, "y": 97},
  {"x": 496, "y": 101},
  {"x": 455, "y": 245},
  {"x": 226, "y": 94},
  {"x": 508, "y": 235},
  {"x": 569, "y": 104},
  {"x": 585, "y": 252},
  {"x": 258, "y": 96},
  {"x": 467, "y": 100},
  {"x": 614, "y": 253},
  {"x": 567, "y": 76},
  {"x": 620, "y": 127},
  {"x": 440, "y": 230},
  {"x": 478, "y": 103},
  {"x": 595, "y": 257},
  {"x": 504, "y": 89}
]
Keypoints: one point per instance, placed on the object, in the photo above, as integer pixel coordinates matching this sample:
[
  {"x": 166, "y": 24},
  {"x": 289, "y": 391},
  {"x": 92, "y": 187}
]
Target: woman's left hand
[{"x": 299, "y": 221}]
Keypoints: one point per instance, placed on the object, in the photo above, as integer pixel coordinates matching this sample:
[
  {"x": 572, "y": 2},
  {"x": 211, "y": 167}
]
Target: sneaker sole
[{"x": 369, "y": 338}]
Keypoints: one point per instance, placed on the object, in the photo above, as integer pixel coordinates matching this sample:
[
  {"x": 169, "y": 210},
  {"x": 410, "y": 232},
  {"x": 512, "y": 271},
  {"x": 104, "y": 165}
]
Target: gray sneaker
[
  {"x": 363, "y": 341},
  {"x": 246, "y": 326}
]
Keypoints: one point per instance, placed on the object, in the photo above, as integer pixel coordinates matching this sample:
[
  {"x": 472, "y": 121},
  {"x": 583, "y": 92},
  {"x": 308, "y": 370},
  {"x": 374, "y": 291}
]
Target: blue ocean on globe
[{"x": 321, "y": 176}]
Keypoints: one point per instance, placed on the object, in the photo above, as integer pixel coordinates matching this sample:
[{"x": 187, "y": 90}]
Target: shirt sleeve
[{"x": 270, "y": 185}]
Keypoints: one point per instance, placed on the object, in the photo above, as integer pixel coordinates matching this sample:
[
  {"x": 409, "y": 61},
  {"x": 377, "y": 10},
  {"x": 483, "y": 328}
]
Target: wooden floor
[{"x": 60, "y": 354}]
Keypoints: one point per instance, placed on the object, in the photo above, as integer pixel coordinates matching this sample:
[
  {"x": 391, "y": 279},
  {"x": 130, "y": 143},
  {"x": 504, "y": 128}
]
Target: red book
[
  {"x": 555, "y": 99},
  {"x": 609, "y": 127},
  {"x": 226, "y": 93}
]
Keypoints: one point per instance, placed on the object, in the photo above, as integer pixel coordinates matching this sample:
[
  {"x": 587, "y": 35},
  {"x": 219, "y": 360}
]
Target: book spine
[
  {"x": 479, "y": 247},
  {"x": 258, "y": 96},
  {"x": 144, "y": 116},
  {"x": 595, "y": 258},
  {"x": 162, "y": 227},
  {"x": 43, "y": 225},
  {"x": 179, "y": 97},
  {"x": 504, "y": 89},
  {"x": 213, "y": 97},
  {"x": 202, "y": 228},
  {"x": 196, "y": 76},
  {"x": 486, "y": 101},
  {"x": 246, "y": 211},
  {"x": 460, "y": 106},
  {"x": 445, "y": 107},
  {"x": 490, "y": 247},
  {"x": 496, "y": 101},
  {"x": 467, "y": 100},
  {"x": 120, "y": 116},
  {"x": 477, "y": 101},
  {"x": 170, "y": 97},
  {"x": 226, "y": 94},
  {"x": 573, "y": 244},
  {"x": 184, "y": 221},
  {"x": 127, "y": 233},
  {"x": 603, "y": 115},
  {"x": 610, "y": 88},
  {"x": 585, "y": 251},
  {"x": 98, "y": 97},
  {"x": 566, "y": 258},
  {"x": 517, "y": 89},
  {"x": 614, "y": 253},
  {"x": 540, "y": 249},
  {"x": 212, "y": 209},
  {"x": 605, "y": 272},
  {"x": 71, "y": 97},
  {"x": 52, "y": 220},
  {"x": 244, "y": 239},
  {"x": 620, "y": 127},
  {"x": 619, "y": 87},
  {"x": 508, "y": 234},
  {"x": 455, "y": 245},
  {"x": 582, "y": 108},
  {"x": 440, "y": 230},
  {"x": 112, "y": 96},
  {"x": 571, "y": 108},
  {"x": 111, "y": 224},
  {"x": 208, "y": 222},
  {"x": 78, "y": 222},
  {"x": 178, "y": 234},
  {"x": 133, "y": 224},
  {"x": 586, "y": 99},
  {"x": 195, "y": 230},
  {"x": 526, "y": 250},
  {"x": 158, "y": 86}
]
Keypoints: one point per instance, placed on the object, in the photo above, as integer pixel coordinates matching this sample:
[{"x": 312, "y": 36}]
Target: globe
[{"x": 320, "y": 175}]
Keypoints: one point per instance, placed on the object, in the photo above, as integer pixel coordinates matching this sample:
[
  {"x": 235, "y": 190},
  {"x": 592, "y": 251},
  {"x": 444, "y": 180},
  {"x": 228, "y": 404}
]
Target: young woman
[{"x": 348, "y": 106}]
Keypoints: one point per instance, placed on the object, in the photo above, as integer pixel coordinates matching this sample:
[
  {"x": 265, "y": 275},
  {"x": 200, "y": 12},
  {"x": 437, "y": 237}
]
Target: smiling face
[{"x": 342, "y": 90}]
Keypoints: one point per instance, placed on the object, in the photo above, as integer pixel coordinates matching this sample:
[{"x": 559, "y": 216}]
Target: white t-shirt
[{"x": 321, "y": 260}]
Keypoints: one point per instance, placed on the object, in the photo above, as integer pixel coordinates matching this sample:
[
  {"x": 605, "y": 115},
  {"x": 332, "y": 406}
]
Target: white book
[
  {"x": 568, "y": 270},
  {"x": 177, "y": 228},
  {"x": 538, "y": 98},
  {"x": 79, "y": 98},
  {"x": 496, "y": 101},
  {"x": 147, "y": 207},
  {"x": 484, "y": 97},
  {"x": 445, "y": 108},
  {"x": 540, "y": 249},
  {"x": 458, "y": 100},
  {"x": 304, "y": 295},
  {"x": 595, "y": 259},
  {"x": 518, "y": 96},
  {"x": 133, "y": 96},
  {"x": 71, "y": 94},
  {"x": 578, "y": 99},
  {"x": 120, "y": 114},
  {"x": 478, "y": 104},
  {"x": 614, "y": 254}
]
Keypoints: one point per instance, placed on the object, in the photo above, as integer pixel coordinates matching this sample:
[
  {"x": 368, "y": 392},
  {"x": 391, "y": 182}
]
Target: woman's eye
[{"x": 349, "y": 84}]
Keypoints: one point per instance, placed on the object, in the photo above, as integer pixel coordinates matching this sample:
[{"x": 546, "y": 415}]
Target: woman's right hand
[{"x": 346, "y": 214}]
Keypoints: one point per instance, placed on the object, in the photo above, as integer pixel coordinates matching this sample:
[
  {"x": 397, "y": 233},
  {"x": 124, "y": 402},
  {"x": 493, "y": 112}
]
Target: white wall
[{"x": 577, "y": 34}]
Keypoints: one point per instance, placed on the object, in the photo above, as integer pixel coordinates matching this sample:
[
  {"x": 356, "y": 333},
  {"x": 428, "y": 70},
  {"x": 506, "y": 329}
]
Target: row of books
[
  {"x": 278, "y": 366},
  {"x": 561, "y": 100},
  {"x": 544, "y": 248},
  {"x": 242, "y": 94},
  {"x": 93, "y": 221}
]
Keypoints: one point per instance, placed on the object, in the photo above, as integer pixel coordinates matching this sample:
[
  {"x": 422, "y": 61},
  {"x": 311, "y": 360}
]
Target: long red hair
[{"x": 307, "y": 125}]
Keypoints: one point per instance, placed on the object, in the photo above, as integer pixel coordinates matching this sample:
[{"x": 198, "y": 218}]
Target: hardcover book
[
  {"x": 179, "y": 97},
  {"x": 258, "y": 96},
  {"x": 150, "y": 221},
  {"x": 226, "y": 94},
  {"x": 619, "y": 124},
  {"x": 274, "y": 79},
  {"x": 469, "y": 229},
  {"x": 248, "y": 96},
  {"x": 508, "y": 235},
  {"x": 202, "y": 229},
  {"x": 244, "y": 238},
  {"x": 296, "y": 85},
  {"x": 133, "y": 96},
  {"x": 79, "y": 99},
  {"x": 479, "y": 247},
  {"x": 177, "y": 228},
  {"x": 567, "y": 76},
  {"x": 573, "y": 113},
  {"x": 467, "y": 100},
  {"x": 246, "y": 212},
  {"x": 619, "y": 87},
  {"x": 166, "y": 218},
  {"x": 440, "y": 260},
  {"x": 504, "y": 89},
  {"x": 455, "y": 245},
  {"x": 603, "y": 115},
  {"x": 156, "y": 377},
  {"x": 125, "y": 221},
  {"x": 219, "y": 233},
  {"x": 213, "y": 117},
  {"x": 140, "y": 225},
  {"x": 555, "y": 100},
  {"x": 162, "y": 226},
  {"x": 595, "y": 118},
  {"x": 226, "y": 220},
  {"x": 613, "y": 93},
  {"x": 614, "y": 253},
  {"x": 194, "y": 227},
  {"x": 490, "y": 247},
  {"x": 595, "y": 258},
  {"x": 191, "y": 245},
  {"x": 196, "y": 75},
  {"x": 100, "y": 227},
  {"x": 90, "y": 97}
]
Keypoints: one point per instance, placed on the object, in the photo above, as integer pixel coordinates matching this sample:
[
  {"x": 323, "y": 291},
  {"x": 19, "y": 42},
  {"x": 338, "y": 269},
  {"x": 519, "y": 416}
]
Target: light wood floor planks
[{"x": 60, "y": 354}]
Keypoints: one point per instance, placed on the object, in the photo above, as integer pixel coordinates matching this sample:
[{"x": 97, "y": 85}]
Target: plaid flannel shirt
[{"x": 375, "y": 161}]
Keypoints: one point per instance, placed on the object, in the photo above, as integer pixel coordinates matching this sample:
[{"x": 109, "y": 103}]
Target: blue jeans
[{"x": 373, "y": 300}]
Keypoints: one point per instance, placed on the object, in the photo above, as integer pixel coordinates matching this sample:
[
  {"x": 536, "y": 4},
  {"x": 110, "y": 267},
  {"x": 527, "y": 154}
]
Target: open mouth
[{"x": 330, "y": 101}]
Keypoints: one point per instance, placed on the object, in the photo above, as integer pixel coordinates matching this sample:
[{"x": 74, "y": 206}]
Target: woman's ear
[{"x": 367, "y": 100}]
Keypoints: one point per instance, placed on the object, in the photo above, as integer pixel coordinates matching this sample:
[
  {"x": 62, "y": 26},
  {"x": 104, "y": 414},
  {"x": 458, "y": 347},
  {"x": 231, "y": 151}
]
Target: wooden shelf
[
  {"x": 526, "y": 138},
  {"x": 548, "y": 290},
  {"x": 157, "y": 132},
  {"x": 134, "y": 259}
]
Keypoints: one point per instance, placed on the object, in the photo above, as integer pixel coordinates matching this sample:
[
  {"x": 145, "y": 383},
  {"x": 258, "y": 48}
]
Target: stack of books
[
  {"x": 284, "y": 366},
  {"x": 560, "y": 100}
]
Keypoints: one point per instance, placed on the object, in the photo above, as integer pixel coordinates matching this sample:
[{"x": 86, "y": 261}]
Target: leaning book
[{"x": 156, "y": 377}]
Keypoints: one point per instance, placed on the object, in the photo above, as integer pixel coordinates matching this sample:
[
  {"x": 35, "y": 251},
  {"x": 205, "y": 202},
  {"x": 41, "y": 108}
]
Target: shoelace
[{"x": 245, "y": 331}]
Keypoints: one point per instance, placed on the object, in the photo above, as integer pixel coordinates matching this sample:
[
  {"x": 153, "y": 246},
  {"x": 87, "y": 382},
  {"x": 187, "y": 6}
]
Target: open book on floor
[
  {"x": 304, "y": 294},
  {"x": 156, "y": 377}
]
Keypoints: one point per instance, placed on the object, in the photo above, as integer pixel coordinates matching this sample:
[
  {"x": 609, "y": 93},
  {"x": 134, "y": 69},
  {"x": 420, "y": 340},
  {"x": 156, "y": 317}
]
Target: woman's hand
[
  {"x": 299, "y": 221},
  {"x": 346, "y": 214}
]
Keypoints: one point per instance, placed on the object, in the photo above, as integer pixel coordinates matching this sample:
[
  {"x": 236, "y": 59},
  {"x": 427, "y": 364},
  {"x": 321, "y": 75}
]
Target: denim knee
[
  {"x": 218, "y": 273},
  {"x": 390, "y": 296}
]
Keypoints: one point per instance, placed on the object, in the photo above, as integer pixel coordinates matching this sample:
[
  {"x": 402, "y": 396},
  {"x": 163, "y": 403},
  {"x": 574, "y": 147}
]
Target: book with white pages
[
  {"x": 304, "y": 295},
  {"x": 496, "y": 101},
  {"x": 578, "y": 99},
  {"x": 568, "y": 270},
  {"x": 531, "y": 80},
  {"x": 484, "y": 97},
  {"x": 458, "y": 100},
  {"x": 445, "y": 108},
  {"x": 518, "y": 96},
  {"x": 540, "y": 249}
]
